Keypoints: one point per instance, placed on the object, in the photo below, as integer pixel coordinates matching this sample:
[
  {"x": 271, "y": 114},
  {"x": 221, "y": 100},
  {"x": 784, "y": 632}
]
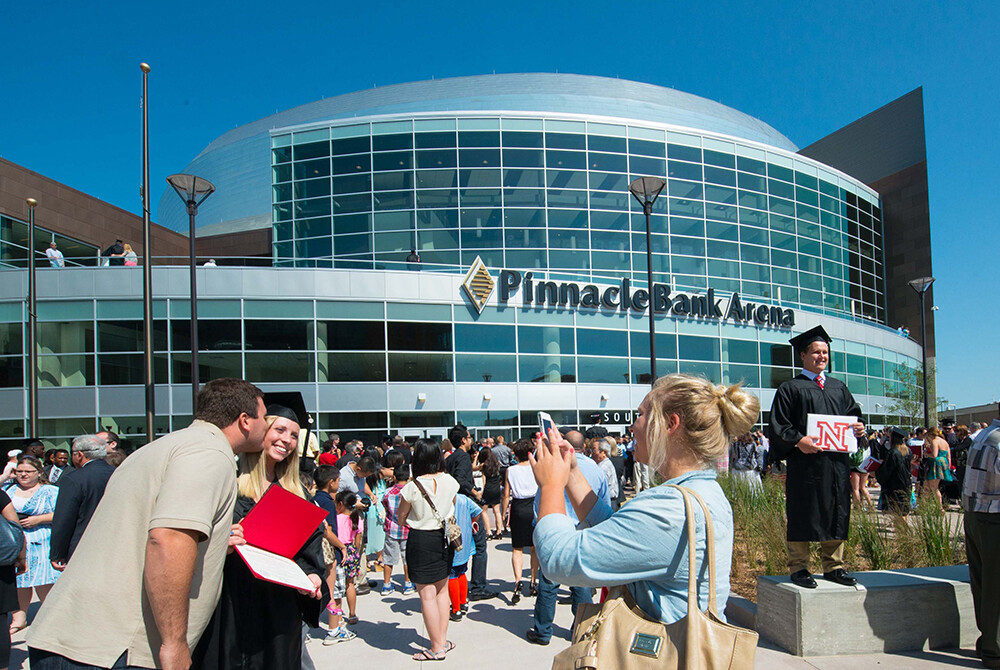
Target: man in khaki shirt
[{"x": 147, "y": 574}]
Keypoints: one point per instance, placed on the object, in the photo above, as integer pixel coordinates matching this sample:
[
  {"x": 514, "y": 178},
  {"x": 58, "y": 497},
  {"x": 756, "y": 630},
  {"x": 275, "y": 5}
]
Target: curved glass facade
[{"x": 552, "y": 193}]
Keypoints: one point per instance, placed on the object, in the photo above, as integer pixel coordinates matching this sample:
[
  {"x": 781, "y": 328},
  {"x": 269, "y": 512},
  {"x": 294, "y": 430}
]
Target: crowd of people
[{"x": 419, "y": 517}]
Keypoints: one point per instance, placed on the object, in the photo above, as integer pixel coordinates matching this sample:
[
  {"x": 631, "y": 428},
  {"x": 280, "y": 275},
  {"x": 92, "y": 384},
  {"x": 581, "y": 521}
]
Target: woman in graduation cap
[
  {"x": 257, "y": 625},
  {"x": 817, "y": 485}
]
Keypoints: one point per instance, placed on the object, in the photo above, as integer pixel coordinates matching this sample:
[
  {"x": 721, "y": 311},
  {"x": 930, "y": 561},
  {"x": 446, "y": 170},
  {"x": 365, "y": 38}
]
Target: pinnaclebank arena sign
[{"x": 479, "y": 285}]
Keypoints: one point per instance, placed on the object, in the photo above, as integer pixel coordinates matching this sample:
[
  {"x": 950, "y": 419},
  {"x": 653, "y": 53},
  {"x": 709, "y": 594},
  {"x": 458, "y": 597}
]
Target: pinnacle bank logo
[{"x": 479, "y": 286}]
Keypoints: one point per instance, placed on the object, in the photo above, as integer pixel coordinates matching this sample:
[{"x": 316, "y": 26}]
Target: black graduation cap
[
  {"x": 817, "y": 334},
  {"x": 900, "y": 432},
  {"x": 288, "y": 404}
]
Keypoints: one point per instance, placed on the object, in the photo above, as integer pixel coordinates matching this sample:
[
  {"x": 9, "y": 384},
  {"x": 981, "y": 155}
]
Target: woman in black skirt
[
  {"x": 519, "y": 492},
  {"x": 428, "y": 556},
  {"x": 8, "y": 583},
  {"x": 492, "y": 491}
]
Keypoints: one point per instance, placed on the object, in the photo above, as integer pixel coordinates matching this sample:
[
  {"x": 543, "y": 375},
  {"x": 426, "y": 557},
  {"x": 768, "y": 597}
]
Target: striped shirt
[{"x": 982, "y": 472}]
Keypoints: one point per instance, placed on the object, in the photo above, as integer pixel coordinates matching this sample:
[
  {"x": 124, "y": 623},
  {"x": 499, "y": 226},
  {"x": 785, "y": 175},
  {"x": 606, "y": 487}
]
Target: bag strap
[
  {"x": 692, "y": 543},
  {"x": 430, "y": 502}
]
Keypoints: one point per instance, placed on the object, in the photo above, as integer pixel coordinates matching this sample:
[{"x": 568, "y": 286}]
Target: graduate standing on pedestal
[{"x": 817, "y": 486}]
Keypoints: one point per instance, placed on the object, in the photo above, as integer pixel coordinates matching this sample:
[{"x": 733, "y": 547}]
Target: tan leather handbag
[{"x": 618, "y": 635}]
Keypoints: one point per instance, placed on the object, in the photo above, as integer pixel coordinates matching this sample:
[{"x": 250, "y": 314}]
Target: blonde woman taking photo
[{"x": 684, "y": 425}]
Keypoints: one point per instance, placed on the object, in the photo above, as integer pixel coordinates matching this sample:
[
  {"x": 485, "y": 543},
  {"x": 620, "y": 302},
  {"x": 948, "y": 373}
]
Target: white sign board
[{"x": 835, "y": 433}]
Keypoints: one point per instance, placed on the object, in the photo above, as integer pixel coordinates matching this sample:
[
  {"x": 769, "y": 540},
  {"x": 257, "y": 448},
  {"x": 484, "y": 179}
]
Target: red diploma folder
[{"x": 275, "y": 530}]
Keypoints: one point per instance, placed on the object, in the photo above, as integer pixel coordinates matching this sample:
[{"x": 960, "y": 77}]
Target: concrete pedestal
[{"x": 889, "y": 611}]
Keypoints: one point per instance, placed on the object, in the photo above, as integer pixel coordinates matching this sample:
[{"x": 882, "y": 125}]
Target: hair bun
[{"x": 739, "y": 409}]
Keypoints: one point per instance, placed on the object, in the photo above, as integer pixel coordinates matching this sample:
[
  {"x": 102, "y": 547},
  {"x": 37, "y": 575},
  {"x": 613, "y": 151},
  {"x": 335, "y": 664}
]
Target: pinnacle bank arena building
[{"x": 531, "y": 290}]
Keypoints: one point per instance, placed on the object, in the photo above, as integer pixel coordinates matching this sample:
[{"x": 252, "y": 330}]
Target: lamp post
[
  {"x": 147, "y": 268},
  {"x": 32, "y": 326},
  {"x": 646, "y": 190},
  {"x": 921, "y": 286},
  {"x": 193, "y": 191}
]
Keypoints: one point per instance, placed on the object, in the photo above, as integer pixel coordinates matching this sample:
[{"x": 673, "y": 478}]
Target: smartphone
[{"x": 545, "y": 424}]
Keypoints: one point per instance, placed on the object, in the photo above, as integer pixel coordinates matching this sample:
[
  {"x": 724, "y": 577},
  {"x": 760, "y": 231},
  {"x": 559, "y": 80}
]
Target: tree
[{"x": 907, "y": 402}]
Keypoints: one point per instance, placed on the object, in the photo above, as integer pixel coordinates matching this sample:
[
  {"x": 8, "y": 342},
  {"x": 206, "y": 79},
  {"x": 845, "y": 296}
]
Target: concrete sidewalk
[{"x": 492, "y": 636}]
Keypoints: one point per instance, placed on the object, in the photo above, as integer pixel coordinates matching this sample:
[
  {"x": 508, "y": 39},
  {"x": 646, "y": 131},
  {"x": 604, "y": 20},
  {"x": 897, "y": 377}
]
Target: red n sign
[{"x": 831, "y": 435}]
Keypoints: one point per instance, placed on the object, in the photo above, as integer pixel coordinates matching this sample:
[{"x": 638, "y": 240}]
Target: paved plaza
[{"x": 492, "y": 636}]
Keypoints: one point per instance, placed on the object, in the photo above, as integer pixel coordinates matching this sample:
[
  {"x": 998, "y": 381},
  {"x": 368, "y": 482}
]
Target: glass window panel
[
  {"x": 517, "y": 218},
  {"x": 66, "y": 370},
  {"x": 310, "y": 169},
  {"x": 565, "y": 141},
  {"x": 284, "y": 191},
  {"x": 602, "y": 342},
  {"x": 11, "y": 338},
  {"x": 566, "y": 160},
  {"x": 281, "y": 155},
  {"x": 721, "y": 231},
  {"x": 65, "y": 337},
  {"x": 647, "y": 166},
  {"x": 562, "y": 218},
  {"x": 566, "y": 179},
  {"x": 128, "y": 336},
  {"x": 392, "y": 142},
  {"x": 781, "y": 189},
  {"x": 274, "y": 367},
  {"x": 739, "y": 351},
  {"x": 420, "y": 367},
  {"x": 523, "y": 178},
  {"x": 603, "y": 143},
  {"x": 565, "y": 198},
  {"x": 687, "y": 246},
  {"x": 545, "y": 340},
  {"x": 720, "y": 268},
  {"x": 282, "y": 173},
  {"x": 352, "y": 367},
  {"x": 750, "y": 165},
  {"x": 776, "y": 354},
  {"x": 523, "y": 197},
  {"x": 547, "y": 369},
  {"x": 311, "y": 150},
  {"x": 569, "y": 239},
  {"x": 435, "y": 140},
  {"x": 417, "y": 336},
  {"x": 525, "y": 258},
  {"x": 351, "y": 335},
  {"x": 421, "y": 419},
  {"x": 526, "y": 238},
  {"x": 609, "y": 182},
  {"x": 315, "y": 188},
  {"x": 720, "y": 159},
  {"x": 685, "y": 171},
  {"x": 646, "y": 148},
  {"x": 609, "y": 221},
  {"x": 683, "y": 226},
  {"x": 685, "y": 189},
  {"x": 438, "y": 239},
  {"x": 608, "y": 162},
  {"x": 481, "y": 337},
  {"x": 277, "y": 335},
  {"x": 397, "y": 160},
  {"x": 684, "y": 153},
  {"x": 351, "y": 145},
  {"x": 434, "y": 199},
  {"x": 305, "y": 209},
  {"x": 666, "y": 345},
  {"x": 602, "y": 370},
  {"x": 697, "y": 348},
  {"x": 518, "y": 139},
  {"x": 615, "y": 200},
  {"x": 351, "y": 224},
  {"x": 437, "y": 178},
  {"x": 385, "y": 200},
  {"x": 481, "y": 218},
  {"x": 479, "y": 178},
  {"x": 710, "y": 371},
  {"x": 436, "y": 159},
  {"x": 349, "y": 204},
  {"x": 722, "y": 194},
  {"x": 479, "y": 157},
  {"x": 748, "y": 375},
  {"x": 482, "y": 238},
  {"x": 352, "y": 164},
  {"x": 479, "y": 139},
  {"x": 485, "y": 368},
  {"x": 393, "y": 242}
]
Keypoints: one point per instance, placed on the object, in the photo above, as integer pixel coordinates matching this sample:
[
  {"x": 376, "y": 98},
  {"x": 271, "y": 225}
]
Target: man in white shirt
[{"x": 56, "y": 259}]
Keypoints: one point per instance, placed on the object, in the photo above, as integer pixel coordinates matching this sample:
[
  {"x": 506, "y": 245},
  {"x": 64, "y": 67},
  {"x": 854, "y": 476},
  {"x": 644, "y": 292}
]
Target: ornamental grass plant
[{"x": 876, "y": 540}]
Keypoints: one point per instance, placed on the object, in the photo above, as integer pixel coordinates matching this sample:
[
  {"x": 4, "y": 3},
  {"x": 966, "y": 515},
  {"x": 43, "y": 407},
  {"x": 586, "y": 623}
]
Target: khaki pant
[{"x": 832, "y": 552}]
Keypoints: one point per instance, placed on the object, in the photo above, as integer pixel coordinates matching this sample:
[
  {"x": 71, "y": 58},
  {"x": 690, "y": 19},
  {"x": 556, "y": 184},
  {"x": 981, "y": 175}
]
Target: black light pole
[
  {"x": 147, "y": 268},
  {"x": 646, "y": 190},
  {"x": 193, "y": 191},
  {"x": 921, "y": 286},
  {"x": 32, "y": 326}
]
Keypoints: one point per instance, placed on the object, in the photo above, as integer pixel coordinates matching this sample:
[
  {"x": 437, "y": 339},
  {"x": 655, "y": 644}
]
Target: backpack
[{"x": 11, "y": 542}]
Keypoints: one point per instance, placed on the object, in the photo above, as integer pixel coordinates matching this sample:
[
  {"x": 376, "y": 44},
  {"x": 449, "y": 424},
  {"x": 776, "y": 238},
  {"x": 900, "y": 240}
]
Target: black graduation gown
[
  {"x": 894, "y": 478},
  {"x": 257, "y": 625},
  {"x": 817, "y": 486}
]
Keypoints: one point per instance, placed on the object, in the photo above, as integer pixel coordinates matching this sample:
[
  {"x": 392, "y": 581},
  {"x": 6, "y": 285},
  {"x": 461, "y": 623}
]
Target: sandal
[
  {"x": 428, "y": 655},
  {"x": 352, "y": 620}
]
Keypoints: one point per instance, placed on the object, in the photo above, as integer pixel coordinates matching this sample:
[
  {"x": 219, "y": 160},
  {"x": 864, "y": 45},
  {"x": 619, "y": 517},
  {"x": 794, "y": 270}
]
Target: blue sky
[{"x": 71, "y": 86}]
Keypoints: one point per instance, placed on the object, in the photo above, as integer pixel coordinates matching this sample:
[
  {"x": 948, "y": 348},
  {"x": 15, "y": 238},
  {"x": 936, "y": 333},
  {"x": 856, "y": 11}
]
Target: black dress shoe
[
  {"x": 534, "y": 638},
  {"x": 804, "y": 579},
  {"x": 482, "y": 595},
  {"x": 840, "y": 576}
]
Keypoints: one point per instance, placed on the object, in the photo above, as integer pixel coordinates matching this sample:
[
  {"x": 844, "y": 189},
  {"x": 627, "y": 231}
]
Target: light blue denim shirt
[{"x": 643, "y": 545}]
